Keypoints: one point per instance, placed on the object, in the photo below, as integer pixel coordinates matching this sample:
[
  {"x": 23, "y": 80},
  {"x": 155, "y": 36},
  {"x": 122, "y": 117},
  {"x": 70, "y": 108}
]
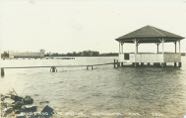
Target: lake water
[{"x": 103, "y": 92}]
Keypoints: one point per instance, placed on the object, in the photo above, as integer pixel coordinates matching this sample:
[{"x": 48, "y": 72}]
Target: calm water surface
[{"x": 133, "y": 92}]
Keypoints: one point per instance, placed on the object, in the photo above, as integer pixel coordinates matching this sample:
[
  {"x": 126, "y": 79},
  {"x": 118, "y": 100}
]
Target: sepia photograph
[{"x": 93, "y": 58}]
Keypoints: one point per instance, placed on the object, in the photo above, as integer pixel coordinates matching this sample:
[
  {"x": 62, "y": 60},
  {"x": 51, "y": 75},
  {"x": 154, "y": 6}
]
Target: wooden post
[
  {"x": 175, "y": 43},
  {"x": 119, "y": 48},
  {"x": 156, "y": 64},
  {"x": 2, "y": 72},
  {"x": 135, "y": 43},
  {"x": 179, "y": 47},
  {"x": 87, "y": 67},
  {"x": 122, "y": 48},
  {"x": 92, "y": 67},
  {"x": 158, "y": 48},
  {"x": 162, "y": 41},
  {"x": 137, "y": 64},
  {"x": 179, "y": 64},
  {"x": 148, "y": 64},
  {"x": 114, "y": 63},
  {"x": 163, "y": 64},
  {"x": 53, "y": 69},
  {"x": 175, "y": 64},
  {"x": 122, "y": 64},
  {"x": 117, "y": 64},
  {"x": 142, "y": 64},
  {"x": 163, "y": 46}
]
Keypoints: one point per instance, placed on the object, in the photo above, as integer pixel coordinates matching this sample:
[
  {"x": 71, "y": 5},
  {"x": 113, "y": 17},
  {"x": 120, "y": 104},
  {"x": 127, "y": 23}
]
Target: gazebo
[{"x": 149, "y": 34}]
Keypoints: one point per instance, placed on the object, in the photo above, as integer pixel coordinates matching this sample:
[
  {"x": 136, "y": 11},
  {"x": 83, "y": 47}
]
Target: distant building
[{"x": 39, "y": 54}]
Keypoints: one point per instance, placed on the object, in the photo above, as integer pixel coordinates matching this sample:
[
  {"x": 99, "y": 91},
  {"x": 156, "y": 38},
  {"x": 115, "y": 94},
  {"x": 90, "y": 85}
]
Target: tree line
[
  {"x": 6, "y": 54},
  {"x": 82, "y": 53}
]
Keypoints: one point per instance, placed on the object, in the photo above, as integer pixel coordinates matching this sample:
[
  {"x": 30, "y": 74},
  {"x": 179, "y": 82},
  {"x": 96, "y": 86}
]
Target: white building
[{"x": 40, "y": 54}]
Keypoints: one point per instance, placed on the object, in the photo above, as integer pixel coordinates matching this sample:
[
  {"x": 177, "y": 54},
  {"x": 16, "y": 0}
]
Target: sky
[{"x": 75, "y": 25}]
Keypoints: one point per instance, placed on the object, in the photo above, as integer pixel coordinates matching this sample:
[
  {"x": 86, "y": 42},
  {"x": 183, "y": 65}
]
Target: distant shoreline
[{"x": 86, "y": 56}]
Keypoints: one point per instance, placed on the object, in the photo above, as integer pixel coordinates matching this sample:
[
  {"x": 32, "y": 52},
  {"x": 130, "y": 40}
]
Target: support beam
[
  {"x": 122, "y": 64},
  {"x": 114, "y": 63},
  {"x": 135, "y": 43},
  {"x": 119, "y": 48},
  {"x": 2, "y": 72},
  {"x": 175, "y": 64},
  {"x": 179, "y": 64},
  {"x": 179, "y": 46},
  {"x": 175, "y": 43},
  {"x": 162, "y": 41},
  {"x": 122, "y": 48},
  {"x": 158, "y": 48},
  {"x": 118, "y": 64}
]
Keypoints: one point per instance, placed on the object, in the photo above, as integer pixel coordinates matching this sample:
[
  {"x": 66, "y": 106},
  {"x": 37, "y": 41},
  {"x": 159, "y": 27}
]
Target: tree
[{"x": 5, "y": 55}]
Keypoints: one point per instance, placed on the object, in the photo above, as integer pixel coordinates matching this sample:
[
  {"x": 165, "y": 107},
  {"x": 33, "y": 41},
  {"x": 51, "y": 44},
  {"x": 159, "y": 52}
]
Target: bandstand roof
[{"x": 149, "y": 34}]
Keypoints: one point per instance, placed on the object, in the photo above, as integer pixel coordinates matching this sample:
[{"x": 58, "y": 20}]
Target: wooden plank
[{"x": 60, "y": 66}]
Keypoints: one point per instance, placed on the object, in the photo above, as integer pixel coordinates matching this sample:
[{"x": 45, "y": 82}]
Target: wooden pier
[
  {"x": 54, "y": 68},
  {"x": 116, "y": 64}
]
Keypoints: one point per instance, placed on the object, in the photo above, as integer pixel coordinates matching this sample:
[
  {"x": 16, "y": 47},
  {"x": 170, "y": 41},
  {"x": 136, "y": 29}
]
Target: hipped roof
[{"x": 149, "y": 34}]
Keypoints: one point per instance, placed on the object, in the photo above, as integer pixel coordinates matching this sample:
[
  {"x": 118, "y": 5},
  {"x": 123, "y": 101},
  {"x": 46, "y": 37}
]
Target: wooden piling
[
  {"x": 163, "y": 64},
  {"x": 136, "y": 64},
  {"x": 179, "y": 64},
  {"x": 142, "y": 64},
  {"x": 114, "y": 63},
  {"x": 133, "y": 64},
  {"x": 156, "y": 64},
  {"x": 122, "y": 64},
  {"x": 117, "y": 64},
  {"x": 2, "y": 72},
  {"x": 175, "y": 64},
  {"x": 53, "y": 69},
  {"x": 148, "y": 64}
]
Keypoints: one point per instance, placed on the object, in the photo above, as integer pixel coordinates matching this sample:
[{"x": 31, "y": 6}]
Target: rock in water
[
  {"x": 28, "y": 100},
  {"x": 47, "y": 109},
  {"x": 18, "y": 105},
  {"x": 16, "y": 98},
  {"x": 22, "y": 115},
  {"x": 29, "y": 108}
]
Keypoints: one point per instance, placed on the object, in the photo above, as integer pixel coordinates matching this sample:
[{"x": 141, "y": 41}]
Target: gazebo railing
[{"x": 150, "y": 57}]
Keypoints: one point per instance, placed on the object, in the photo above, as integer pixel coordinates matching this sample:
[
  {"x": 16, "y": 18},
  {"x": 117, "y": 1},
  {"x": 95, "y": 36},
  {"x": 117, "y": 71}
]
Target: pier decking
[{"x": 53, "y": 68}]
